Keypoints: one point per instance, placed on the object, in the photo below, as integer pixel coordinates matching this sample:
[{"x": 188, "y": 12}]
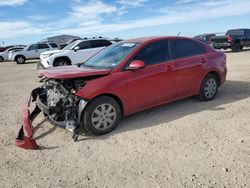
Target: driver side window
[
  {"x": 154, "y": 53},
  {"x": 33, "y": 47}
]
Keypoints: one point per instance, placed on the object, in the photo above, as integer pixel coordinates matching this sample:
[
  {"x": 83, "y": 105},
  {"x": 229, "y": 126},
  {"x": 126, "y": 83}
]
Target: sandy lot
[{"x": 184, "y": 144}]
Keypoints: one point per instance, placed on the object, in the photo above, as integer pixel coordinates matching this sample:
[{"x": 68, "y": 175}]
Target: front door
[{"x": 156, "y": 82}]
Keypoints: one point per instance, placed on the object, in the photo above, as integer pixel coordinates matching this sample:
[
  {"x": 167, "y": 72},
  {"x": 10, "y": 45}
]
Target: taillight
[{"x": 229, "y": 38}]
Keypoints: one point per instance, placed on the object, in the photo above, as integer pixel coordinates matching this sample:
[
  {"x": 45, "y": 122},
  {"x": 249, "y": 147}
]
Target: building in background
[{"x": 61, "y": 40}]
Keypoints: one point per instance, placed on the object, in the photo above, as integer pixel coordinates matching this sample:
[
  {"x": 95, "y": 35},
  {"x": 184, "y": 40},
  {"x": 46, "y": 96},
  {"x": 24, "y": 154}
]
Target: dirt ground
[{"x": 184, "y": 144}]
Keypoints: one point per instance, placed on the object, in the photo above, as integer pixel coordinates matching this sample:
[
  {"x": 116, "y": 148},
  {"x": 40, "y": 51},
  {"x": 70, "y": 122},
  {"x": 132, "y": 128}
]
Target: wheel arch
[
  {"x": 214, "y": 72},
  {"x": 19, "y": 55},
  {"x": 62, "y": 57}
]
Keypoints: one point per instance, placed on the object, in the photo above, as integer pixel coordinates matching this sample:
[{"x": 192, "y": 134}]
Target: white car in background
[
  {"x": 4, "y": 56},
  {"x": 32, "y": 51},
  {"x": 74, "y": 53}
]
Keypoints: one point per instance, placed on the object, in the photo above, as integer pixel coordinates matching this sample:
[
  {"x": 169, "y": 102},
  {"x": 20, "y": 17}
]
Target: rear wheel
[
  {"x": 61, "y": 62},
  {"x": 101, "y": 116},
  {"x": 20, "y": 59},
  {"x": 209, "y": 88},
  {"x": 1, "y": 59}
]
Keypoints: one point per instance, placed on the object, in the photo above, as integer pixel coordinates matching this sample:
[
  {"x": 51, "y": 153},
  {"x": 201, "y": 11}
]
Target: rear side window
[
  {"x": 187, "y": 48},
  {"x": 235, "y": 32},
  {"x": 154, "y": 53},
  {"x": 99, "y": 43},
  {"x": 53, "y": 45},
  {"x": 83, "y": 45},
  {"x": 43, "y": 46}
]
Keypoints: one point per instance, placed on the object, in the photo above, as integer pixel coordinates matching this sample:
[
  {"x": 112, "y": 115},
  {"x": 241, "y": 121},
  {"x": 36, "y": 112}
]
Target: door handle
[
  {"x": 169, "y": 67},
  {"x": 203, "y": 60}
]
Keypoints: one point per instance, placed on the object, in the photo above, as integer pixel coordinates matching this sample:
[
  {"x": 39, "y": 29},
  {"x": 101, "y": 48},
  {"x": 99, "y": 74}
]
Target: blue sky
[{"x": 27, "y": 21}]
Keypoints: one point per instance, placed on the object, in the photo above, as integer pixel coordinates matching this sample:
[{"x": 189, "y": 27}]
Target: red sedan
[{"x": 124, "y": 78}]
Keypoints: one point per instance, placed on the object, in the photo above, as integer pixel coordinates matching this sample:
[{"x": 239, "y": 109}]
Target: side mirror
[
  {"x": 136, "y": 64},
  {"x": 76, "y": 48}
]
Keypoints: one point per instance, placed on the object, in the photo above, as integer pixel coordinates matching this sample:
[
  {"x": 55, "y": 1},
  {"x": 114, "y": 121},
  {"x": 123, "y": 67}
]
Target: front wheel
[
  {"x": 20, "y": 60},
  {"x": 101, "y": 116},
  {"x": 61, "y": 62},
  {"x": 1, "y": 59},
  {"x": 209, "y": 88}
]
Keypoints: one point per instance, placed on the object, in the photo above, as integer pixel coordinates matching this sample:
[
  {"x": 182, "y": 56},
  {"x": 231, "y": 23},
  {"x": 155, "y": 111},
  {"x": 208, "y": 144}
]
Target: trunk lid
[{"x": 69, "y": 72}]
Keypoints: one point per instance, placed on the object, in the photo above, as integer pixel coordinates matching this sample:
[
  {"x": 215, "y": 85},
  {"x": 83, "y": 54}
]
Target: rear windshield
[{"x": 235, "y": 32}]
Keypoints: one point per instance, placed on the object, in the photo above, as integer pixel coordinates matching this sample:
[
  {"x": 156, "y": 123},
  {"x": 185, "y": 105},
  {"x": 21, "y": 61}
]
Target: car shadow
[{"x": 230, "y": 92}]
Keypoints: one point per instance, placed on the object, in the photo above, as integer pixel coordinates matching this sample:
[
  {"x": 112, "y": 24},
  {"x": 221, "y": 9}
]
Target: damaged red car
[{"x": 122, "y": 79}]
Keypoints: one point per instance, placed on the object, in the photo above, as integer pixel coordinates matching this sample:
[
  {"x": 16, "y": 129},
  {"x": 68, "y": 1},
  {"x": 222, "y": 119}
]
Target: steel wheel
[
  {"x": 101, "y": 115},
  {"x": 210, "y": 88},
  {"x": 104, "y": 116}
]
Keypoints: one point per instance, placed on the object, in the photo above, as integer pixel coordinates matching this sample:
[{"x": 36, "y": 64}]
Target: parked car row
[
  {"x": 119, "y": 80},
  {"x": 234, "y": 39},
  {"x": 4, "y": 56},
  {"x": 32, "y": 51},
  {"x": 74, "y": 53}
]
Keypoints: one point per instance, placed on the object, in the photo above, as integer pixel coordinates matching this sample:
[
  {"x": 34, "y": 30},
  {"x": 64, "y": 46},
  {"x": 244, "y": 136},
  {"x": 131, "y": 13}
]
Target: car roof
[
  {"x": 91, "y": 39},
  {"x": 151, "y": 39}
]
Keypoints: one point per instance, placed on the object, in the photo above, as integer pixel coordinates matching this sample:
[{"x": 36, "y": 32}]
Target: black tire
[
  {"x": 236, "y": 47},
  {"x": 61, "y": 62},
  {"x": 20, "y": 59},
  {"x": 208, "y": 93},
  {"x": 1, "y": 59},
  {"x": 241, "y": 47},
  {"x": 90, "y": 114}
]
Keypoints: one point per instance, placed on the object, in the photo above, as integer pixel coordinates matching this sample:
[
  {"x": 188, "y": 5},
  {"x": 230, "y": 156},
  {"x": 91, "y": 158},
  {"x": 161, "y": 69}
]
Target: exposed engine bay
[
  {"x": 57, "y": 101},
  {"x": 59, "y": 104}
]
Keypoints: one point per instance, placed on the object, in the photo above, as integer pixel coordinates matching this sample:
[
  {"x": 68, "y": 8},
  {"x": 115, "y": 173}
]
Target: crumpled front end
[{"x": 57, "y": 101}]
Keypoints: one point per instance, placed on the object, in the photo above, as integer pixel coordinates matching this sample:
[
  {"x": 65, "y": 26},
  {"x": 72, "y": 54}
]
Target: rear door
[
  {"x": 155, "y": 83},
  {"x": 42, "y": 48},
  {"x": 98, "y": 45},
  {"x": 190, "y": 61}
]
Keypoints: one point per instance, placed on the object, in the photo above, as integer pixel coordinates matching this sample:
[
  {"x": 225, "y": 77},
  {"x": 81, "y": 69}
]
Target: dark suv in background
[{"x": 235, "y": 39}]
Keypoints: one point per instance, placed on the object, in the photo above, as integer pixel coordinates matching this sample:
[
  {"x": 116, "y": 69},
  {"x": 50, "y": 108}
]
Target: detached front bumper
[{"x": 24, "y": 139}]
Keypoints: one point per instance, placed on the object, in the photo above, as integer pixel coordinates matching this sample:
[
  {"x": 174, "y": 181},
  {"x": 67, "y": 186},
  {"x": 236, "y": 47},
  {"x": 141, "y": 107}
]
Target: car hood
[{"x": 69, "y": 72}]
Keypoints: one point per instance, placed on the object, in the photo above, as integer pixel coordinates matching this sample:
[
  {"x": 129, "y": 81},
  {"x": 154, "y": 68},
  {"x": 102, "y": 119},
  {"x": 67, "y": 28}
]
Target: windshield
[
  {"x": 111, "y": 56},
  {"x": 71, "y": 45}
]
